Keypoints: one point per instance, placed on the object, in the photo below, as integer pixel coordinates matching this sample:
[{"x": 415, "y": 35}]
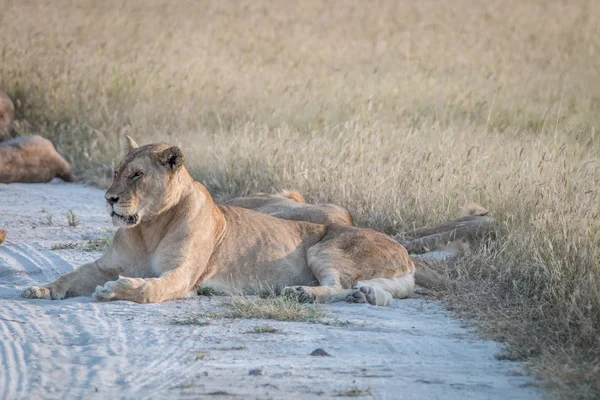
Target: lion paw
[
  {"x": 106, "y": 292},
  {"x": 361, "y": 295},
  {"x": 121, "y": 289},
  {"x": 368, "y": 294},
  {"x": 42, "y": 292},
  {"x": 300, "y": 293}
]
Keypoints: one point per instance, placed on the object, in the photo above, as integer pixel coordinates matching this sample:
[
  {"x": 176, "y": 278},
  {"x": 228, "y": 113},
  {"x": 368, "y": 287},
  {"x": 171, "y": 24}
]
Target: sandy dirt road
[{"x": 80, "y": 349}]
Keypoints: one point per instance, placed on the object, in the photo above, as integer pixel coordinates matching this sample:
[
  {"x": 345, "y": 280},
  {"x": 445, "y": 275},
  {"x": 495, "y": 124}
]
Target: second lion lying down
[{"x": 173, "y": 237}]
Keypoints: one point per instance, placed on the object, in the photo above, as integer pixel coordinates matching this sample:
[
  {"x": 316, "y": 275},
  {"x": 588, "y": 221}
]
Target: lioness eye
[{"x": 136, "y": 175}]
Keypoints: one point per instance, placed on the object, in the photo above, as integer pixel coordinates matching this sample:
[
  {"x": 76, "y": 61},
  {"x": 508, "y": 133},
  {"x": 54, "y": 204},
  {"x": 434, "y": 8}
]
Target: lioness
[
  {"x": 172, "y": 237},
  {"x": 31, "y": 159}
]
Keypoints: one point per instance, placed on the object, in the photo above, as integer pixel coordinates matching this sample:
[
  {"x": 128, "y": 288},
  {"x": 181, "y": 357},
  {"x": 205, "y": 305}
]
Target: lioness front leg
[
  {"x": 80, "y": 282},
  {"x": 170, "y": 285}
]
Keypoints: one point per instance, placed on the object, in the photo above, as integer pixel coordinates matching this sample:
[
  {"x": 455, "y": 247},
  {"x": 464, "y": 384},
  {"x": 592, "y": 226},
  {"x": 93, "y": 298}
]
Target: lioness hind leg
[{"x": 322, "y": 262}]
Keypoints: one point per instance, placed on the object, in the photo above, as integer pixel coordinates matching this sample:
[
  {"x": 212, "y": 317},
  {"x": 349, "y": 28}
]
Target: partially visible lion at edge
[
  {"x": 27, "y": 159},
  {"x": 172, "y": 237},
  {"x": 32, "y": 159}
]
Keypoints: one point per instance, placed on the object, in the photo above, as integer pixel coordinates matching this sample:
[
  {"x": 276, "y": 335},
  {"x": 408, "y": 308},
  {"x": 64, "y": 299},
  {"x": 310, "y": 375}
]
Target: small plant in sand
[
  {"x": 48, "y": 216},
  {"x": 193, "y": 319},
  {"x": 64, "y": 246},
  {"x": 206, "y": 291},
  {"x": 89, "y": 245},
  {"x": 275, "y": 308},
  {"x": 96, "y": 244},
  {"x": 72, "y": 218},
  {"x": 264, "y": 329},
  {"x": 354, "y": 392}
]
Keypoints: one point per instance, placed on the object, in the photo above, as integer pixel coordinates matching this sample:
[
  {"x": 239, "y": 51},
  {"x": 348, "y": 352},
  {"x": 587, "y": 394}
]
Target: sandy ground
[{"x": 77, "y": 348}]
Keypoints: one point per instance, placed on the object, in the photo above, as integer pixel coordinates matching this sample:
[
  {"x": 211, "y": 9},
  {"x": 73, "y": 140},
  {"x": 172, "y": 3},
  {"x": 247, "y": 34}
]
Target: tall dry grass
[{"x": 400, "y": 111}]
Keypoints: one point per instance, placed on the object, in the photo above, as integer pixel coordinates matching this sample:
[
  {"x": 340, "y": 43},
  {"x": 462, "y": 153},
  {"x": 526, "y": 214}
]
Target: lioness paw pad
[{"x": 361, "y": 295}]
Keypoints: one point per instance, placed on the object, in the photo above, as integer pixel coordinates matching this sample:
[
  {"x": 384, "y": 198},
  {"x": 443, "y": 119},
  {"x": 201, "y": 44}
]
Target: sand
[{"x": 77, "y": 348}]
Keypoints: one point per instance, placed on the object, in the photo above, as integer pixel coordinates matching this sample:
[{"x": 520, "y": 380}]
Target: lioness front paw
[
  {"x": 43, "y": 292},
  {"x": 106, "y": 292},
  {"x": 300, "y": 293},
  {"x": 121, "y": 289}
]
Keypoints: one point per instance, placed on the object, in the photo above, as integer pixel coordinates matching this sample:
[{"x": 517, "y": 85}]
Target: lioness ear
[
  {"x": 128, "y": 144},
  {"x": 171, "y": 158}
]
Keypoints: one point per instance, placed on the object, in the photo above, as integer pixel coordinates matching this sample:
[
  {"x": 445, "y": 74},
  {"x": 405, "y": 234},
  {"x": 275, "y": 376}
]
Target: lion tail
[
  {"x": 293, "y": 195},
  {"x": 426, "y": 276}
]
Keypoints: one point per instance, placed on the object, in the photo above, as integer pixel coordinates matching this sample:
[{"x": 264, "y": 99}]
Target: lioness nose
[{"x": 112, "y": 200}]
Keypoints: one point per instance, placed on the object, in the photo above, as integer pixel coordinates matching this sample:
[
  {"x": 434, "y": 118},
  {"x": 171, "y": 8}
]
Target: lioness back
[{"x": 291, "y": 205}]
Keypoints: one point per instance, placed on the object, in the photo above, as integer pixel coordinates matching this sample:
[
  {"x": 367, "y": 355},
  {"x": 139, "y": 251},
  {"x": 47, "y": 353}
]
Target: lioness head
[{"x": 144, "y": 183}]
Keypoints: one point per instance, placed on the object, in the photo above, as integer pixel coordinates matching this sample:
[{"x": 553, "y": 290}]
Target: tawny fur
[
  {"x": 7, "y": 116},
  {"x": 291, "y": 205},
  {"x": 31, "y": 159},
  {"x": 173, "y": 237},
  {"x": 474, "y": 209},
  {"x": 471, "y": 230},
  {"x": 281, "y": 206},
  {"x": 293, "y": 195},
  {"x": 2, "y": 236}
]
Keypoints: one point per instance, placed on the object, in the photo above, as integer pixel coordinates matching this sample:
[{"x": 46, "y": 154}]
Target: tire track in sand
[{"x": 14, "y": 380}]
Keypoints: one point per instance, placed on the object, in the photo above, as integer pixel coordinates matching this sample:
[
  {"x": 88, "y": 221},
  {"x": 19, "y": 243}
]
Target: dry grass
[
  {"x": 274, "y": 308},
  {"x": 88, "y": 245},
  {"x": 263, "y": 329},
  {"x": 277, "y": 308},
  {"x": 400, "y": 111}
]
